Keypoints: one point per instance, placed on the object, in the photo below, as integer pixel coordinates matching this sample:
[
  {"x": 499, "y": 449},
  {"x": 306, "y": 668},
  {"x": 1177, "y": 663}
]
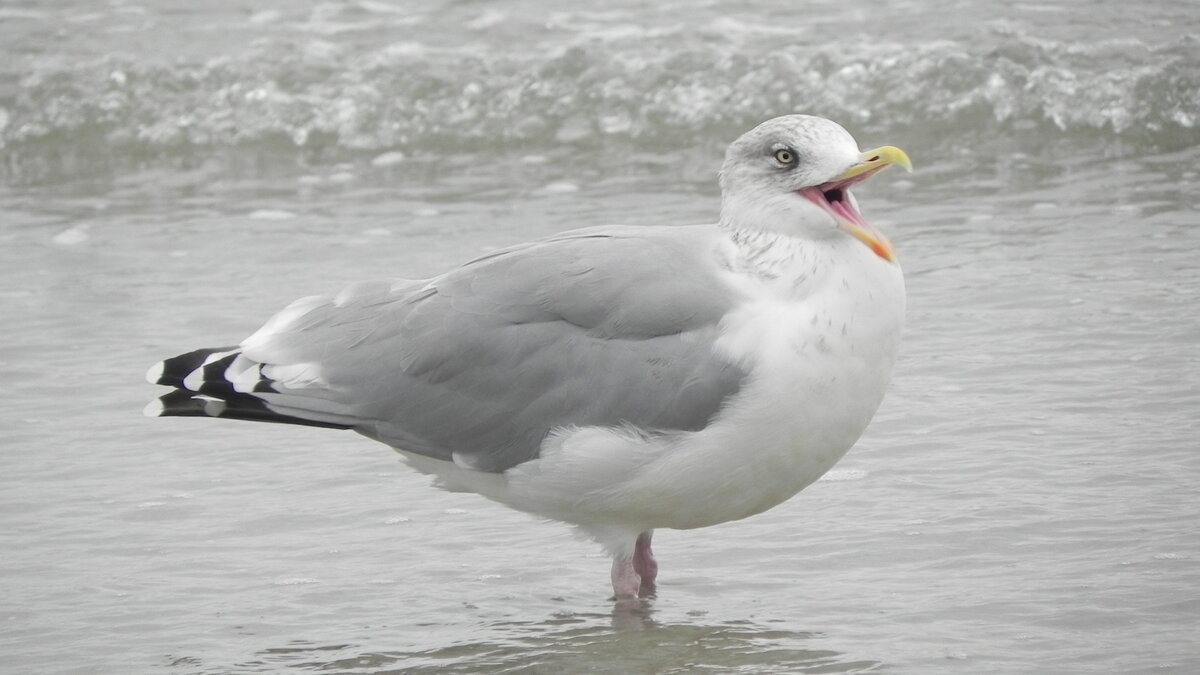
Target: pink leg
[
  {"x": 625, "y": 579},
  {"x": 633, "y": 577},
  {"x": 644, "y": 564}
]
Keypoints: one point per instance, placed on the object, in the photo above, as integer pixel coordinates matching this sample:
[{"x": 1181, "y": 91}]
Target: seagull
[{"x": 618, "y": 379}]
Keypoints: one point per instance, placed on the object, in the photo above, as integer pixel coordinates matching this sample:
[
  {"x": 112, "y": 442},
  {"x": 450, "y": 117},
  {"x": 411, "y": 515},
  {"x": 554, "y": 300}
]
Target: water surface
[{"x": 1025, "y": 501}]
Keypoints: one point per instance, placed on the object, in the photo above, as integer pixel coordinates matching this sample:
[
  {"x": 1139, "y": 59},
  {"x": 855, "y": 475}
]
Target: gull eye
[{"x": 785, "y": 156}]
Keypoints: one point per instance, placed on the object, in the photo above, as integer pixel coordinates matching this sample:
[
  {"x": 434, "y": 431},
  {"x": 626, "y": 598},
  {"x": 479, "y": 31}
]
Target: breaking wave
[{"x": 318, "y": 96}]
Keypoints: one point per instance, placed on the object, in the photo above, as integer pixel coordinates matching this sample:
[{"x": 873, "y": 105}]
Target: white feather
[
  {"x": 295, "y": 375},
  {"x": 283, "y": 321}
]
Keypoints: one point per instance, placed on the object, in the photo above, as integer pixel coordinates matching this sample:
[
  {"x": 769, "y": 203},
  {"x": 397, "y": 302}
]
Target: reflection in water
[{"x": 628, "y": 641}]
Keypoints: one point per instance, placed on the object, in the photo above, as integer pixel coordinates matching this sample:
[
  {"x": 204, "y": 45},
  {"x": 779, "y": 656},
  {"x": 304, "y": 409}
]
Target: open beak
[{"x": 834, "y": 196}]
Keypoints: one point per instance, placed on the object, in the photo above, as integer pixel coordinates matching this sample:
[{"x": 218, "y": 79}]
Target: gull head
[{"x": 792, "y": 175}]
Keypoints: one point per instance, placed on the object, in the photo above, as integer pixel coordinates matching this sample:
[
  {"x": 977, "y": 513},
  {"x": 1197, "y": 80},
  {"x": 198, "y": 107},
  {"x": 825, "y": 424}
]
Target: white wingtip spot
[
  {"x": 195, "y": 379},
  {"x": 153, "y": 409},
  {"x": 248, "y": 378},
  {"x": 155, "y": 373}
]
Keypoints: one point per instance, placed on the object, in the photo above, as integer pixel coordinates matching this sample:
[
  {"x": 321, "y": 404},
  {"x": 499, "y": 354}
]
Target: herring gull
[{"x": 619, "y": 379}]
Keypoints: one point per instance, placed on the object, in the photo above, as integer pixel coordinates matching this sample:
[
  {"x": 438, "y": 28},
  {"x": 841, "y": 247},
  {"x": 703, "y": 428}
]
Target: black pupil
[{"x": 784, "y": 156}]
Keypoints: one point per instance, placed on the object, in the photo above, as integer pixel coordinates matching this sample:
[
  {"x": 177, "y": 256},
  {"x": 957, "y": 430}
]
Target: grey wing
[{"x": 599, "y": 327}]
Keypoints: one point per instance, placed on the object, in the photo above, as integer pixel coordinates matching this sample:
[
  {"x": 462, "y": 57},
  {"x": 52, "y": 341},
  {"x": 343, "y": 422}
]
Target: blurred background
[{"x": 172, "y": 173}]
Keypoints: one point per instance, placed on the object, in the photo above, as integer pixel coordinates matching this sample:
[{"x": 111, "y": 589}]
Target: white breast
[{"x": 820, "y": 347}]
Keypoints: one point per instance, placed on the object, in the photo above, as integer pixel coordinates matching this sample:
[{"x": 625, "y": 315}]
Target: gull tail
[{"x": 225, "y": 383}]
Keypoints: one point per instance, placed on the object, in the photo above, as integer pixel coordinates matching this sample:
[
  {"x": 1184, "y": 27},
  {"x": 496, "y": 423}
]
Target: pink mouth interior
[{"x": 834, "y": 197}]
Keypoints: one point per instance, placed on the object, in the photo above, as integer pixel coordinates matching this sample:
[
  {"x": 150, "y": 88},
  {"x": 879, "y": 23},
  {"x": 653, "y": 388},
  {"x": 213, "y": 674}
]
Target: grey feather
[{"x": 606, "y": 326}]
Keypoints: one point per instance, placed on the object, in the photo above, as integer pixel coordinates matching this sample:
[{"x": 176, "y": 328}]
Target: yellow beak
[
  {"x": 831, "y": 196},
  {"x": 873, "y": 161}
]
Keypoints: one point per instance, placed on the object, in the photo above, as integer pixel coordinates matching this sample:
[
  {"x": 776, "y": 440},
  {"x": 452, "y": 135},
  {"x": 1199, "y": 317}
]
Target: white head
[{"x": 791, "y": 175}]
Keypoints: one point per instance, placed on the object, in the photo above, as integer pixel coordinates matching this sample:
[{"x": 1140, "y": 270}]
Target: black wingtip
[
  {"x": 172, "y": 372},
  {"x": 183, "y": 403}
]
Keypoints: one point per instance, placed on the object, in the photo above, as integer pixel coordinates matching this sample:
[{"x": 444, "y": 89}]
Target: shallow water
[{"x": 1025, "y": 501}]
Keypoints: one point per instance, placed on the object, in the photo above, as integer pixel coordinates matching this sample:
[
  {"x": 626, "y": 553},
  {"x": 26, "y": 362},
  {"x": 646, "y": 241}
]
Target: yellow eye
[{"x": 785, "y": 156}]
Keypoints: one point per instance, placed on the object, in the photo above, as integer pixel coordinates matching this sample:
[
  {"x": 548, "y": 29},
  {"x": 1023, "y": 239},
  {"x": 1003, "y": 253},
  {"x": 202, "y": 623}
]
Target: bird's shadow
[{"x": 628, "y": 640}]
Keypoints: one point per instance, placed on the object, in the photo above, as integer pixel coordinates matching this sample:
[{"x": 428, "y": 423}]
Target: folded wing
[{"x": 609, "y": 327}]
